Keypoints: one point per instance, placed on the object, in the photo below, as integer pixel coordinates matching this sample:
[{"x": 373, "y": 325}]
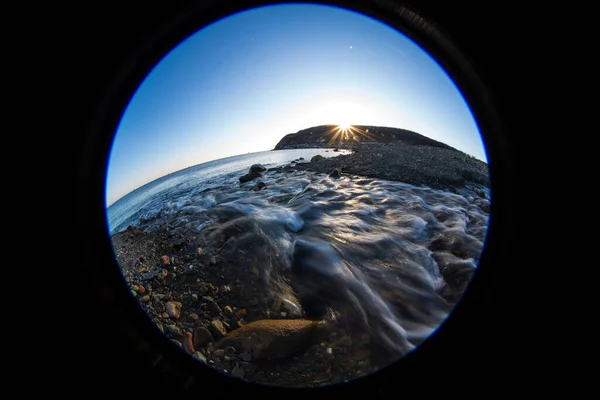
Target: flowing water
[{"x": 369, "y": 248}]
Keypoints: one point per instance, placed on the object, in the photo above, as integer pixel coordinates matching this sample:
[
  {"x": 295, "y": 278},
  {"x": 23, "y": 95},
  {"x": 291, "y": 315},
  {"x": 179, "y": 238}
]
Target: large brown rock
[{"x": 271, "y": 339}]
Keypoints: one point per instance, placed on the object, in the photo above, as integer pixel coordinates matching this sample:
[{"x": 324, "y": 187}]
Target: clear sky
[{"x": 242, "y": 83}]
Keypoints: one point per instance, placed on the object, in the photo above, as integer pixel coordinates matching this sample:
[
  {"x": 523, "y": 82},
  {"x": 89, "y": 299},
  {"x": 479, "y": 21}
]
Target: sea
[
  {"x": 361, "y": 236},
  {"x": 171, "y": 192}
]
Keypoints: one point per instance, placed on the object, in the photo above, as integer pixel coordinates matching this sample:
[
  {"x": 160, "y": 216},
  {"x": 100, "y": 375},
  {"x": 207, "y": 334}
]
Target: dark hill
[{"x": 330, "y": 136}]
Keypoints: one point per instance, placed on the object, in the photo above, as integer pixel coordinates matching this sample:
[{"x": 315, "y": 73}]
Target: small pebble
[
  {"x": 164, "y": 260},
  {"x": 173, "y": 309},
  {"x": 187, "y": 343},
  {"x": 174, "y": 330},
  {"x": 141, "y": 290}
]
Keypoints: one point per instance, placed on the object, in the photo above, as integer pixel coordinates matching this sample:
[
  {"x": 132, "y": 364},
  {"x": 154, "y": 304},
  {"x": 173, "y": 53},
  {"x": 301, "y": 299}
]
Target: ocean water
[
  {"x": 377, "y": 247},
  {"x": 172, "y": 191}
]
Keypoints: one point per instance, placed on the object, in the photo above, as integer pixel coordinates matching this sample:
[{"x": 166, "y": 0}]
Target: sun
[{"x": 344, "y": 126}]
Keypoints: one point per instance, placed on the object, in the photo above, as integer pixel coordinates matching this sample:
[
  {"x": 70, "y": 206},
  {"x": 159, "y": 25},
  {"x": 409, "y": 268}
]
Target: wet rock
[
  {"x": 165, "y": 260},
  {"x": 200, "y": 251},
  {"x": 217, "y": 329},
  {"x": 173, "y": 309},
  {"x": 188, "y": 344},
  {"x": 238, "y": 372},
  {"x": 260, "y": 185},
  {"x": 202, "y": 337},
  {"x": 271, "y": 339},
  {"x": 257, "y": 168},
  {"x": 174, "y": 331},
  {"x": 146, "y": 298},
  {"x": 336, "y": 173},
  {"x": 193, "y": 317},
  {"x": 211, "y": 305},
  {"x": 241, "y": 313},
  {"x": 316, "y": 158},
  {"x": 249, "y": 176},
  {"x": 245, "y": 357},
  {"x": 141, "y": 290}
]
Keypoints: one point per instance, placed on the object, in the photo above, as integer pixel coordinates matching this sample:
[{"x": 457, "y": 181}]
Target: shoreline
[
  {"x": 435, "y": 167},
  {"x": 200, "y": 296}
]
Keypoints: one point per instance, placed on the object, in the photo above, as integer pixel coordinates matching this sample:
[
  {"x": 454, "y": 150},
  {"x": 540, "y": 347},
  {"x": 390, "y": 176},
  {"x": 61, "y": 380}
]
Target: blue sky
[{"x": 242, "y": 83}]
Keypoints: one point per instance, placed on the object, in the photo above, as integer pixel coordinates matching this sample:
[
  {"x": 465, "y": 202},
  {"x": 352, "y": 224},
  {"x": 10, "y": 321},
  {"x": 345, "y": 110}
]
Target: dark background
[{"x": 110, "y": 46}]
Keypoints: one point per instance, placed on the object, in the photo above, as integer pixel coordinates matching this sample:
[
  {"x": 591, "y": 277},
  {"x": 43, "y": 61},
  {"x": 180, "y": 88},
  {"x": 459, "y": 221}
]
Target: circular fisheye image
[{"x": 298, "y": 195}]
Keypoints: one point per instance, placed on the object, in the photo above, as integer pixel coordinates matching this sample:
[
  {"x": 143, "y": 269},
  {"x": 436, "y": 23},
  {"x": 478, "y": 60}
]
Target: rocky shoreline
[
  {"x": 214, "y": 303},
  {"x": 224, "y": 319},
  {"x": 436, "y": 167}
]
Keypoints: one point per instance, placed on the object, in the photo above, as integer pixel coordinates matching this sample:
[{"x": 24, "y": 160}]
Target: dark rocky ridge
[
  {"x": 329, "y": 136},
  {"x": 418, "y": 165}
]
